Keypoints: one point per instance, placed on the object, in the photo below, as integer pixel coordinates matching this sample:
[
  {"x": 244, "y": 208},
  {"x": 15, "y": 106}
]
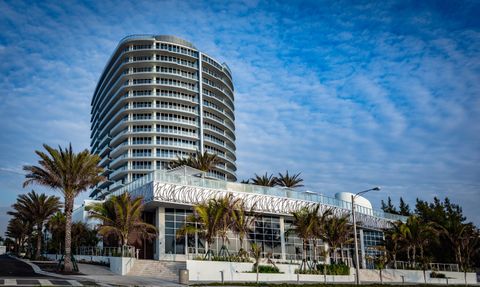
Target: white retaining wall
[
  {"x": 235, "y": 272},
  {"x": 121, "y": 265},
  {"x": 415, "y": 276},
  {"x": 118, "y": 265}
]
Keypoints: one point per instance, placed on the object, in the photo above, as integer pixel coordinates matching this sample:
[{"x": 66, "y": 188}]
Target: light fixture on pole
[{"x": 357, "y": 262}]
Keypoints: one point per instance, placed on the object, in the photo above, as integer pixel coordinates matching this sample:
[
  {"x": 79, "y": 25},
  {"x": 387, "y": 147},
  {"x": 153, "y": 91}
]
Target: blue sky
[{"x": 351, "y": 95}]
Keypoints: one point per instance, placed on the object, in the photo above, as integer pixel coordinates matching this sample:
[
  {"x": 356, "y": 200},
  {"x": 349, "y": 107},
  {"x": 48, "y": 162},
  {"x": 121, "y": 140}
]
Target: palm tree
[
  {"x": 226, "y": 206},
  {"x": 264, "y": 180},
  {"x": 242, "y": 221},
  {"x": 453, "y": 230},
  {"x": 205, "y": 221},
  {"x": 83, "y": 235},
  {"x": 319, "y": 228},
  {"x": 256, "y": 252},
  {"x": 56, "y": 227},
  {"x": 304, "y": 222},
  {"x": 420, "y": 235},
  {"x": 393, "y": 239},
  {"x": 36, "y": 208},
  {"x": 337, "y": 232},
  {"x": 69, "y": 172},
  {"x": 19, "y": 231},
  {"x": 121, "y": 216},
  {"x": 202, "y": 161},
  {"x": 290, "y": 181},
  {"x": 469, "y": 247},
  {"x": 380, "y": 259}
]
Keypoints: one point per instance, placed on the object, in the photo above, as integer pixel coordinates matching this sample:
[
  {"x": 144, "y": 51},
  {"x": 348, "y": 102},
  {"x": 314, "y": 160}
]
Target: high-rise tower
[{"x": 158, "y": 98}]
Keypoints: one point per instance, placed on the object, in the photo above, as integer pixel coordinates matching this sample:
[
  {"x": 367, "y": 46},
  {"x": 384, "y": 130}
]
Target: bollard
[
  {"x": 221, "y": 276},
  {"x": 403, "y": 279},
  {"x": 298, "y": 277},
  {"x": 183, "y": 276}
]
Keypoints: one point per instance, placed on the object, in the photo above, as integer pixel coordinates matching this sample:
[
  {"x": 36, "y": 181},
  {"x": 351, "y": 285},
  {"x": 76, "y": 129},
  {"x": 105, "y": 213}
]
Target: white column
[
  {"x": 282, "y": 238},
  {"x": 160, "y": 240}
]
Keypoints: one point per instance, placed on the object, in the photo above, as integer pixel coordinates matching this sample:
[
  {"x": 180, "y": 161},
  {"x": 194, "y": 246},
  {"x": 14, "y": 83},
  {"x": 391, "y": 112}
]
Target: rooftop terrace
[{"x": 211, "y": 184}]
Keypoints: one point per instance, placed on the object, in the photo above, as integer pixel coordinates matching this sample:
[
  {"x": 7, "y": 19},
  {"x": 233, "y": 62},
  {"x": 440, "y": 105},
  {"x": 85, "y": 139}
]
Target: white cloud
[{"x": 361, "y": 98}]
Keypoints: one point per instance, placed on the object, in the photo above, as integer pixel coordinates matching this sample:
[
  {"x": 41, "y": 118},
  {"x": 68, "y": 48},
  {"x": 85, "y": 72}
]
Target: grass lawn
[{"x": 312, "y": 284}]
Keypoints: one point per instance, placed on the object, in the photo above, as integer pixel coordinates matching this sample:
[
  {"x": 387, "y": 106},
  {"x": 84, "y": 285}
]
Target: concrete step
[{"x": 167, "y": 270}]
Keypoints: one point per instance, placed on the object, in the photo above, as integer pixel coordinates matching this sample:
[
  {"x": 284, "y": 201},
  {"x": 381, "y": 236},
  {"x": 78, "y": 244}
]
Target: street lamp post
[{"x": 357, "y": 262}]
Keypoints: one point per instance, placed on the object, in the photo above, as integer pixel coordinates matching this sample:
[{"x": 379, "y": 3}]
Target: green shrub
[
  {"x": 308, "y": 271},
  {"x": 231, "y": 258},
  {"x": 334, "y": 269},
  {"x": 266, "y": 269},
  {"x": 437, "y": 275}
]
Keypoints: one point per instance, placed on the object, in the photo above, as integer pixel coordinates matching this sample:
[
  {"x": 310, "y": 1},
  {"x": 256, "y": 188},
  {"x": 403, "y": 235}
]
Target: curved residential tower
[{"x": 158, "y": 98}]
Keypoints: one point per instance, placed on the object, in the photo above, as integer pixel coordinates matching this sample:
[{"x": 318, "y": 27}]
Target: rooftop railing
[{"x": 175, "y": 178}]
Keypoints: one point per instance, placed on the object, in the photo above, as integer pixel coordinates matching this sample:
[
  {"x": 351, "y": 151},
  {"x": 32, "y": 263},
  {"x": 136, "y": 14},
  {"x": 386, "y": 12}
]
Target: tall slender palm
[
  {"x": 202, "y": 161},
  {"x": 56, "y": 227},
  {"x": 206, "y": 221},
  {"x": 454, "y": 230},
  {"x": 226, "y": 206},
  {"x": 121, "y": 216},
  {"x": 242, "y": 222},
  {"x": 393, "y": 240},
  {"x": 337, "y": 233},
  {"x": 69, "y": 172},
  {"x": 420, "y": 234},
  {"x": 290, "y": 181},
  {"x": 36, "y": 208},
  {"x": 19, "y": 230},
  {"x": 469, "y": 247},
  {"x": 319, "y": 228},
  {"x": 304, "y": 222},
  {"x": 256, "y": 252},
  {"x": 264, "y": 180}
]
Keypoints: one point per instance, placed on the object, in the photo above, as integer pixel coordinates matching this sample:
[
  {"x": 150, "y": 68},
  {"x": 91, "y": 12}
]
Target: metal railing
[
  {"x": 123, "y": 251},
  {"x": 431, "y": 266},
  {"x": 163, "y": 176}
]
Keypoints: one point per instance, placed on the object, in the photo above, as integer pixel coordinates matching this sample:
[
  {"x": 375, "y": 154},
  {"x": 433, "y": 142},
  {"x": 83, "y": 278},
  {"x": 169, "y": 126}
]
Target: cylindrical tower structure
[{"x": 158, "y": 98}]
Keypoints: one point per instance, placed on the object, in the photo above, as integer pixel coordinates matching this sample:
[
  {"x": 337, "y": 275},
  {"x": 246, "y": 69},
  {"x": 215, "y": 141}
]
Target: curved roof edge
[{"x": 165, "y": 38}]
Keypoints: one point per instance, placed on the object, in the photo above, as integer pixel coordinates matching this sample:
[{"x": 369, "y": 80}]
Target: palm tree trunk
[
  {"x": 39, "y": 241},
  {"x": 414, "y": 254},
  {"x": 304, "y": 255},
  {"x": 68, "y": 267},
  {"x": 341, "y": 253},
  {"x": 408, "y": 255}
]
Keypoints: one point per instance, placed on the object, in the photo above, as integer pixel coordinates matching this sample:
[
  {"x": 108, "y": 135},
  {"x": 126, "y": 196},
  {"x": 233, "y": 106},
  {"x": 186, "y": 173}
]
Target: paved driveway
[{"x": 11, "y": 267}]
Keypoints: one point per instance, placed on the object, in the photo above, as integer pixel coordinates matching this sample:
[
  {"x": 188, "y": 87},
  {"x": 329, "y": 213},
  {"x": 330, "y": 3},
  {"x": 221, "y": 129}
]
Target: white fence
[
  {"x": 124, "y": 251},
  {"x": 450, "y": 267}
]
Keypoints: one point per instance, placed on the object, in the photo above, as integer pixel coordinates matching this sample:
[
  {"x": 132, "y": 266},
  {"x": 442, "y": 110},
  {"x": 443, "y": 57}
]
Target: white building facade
[
  {"x": 170, "y": 196},
  {"x": 157, "y": 99}
]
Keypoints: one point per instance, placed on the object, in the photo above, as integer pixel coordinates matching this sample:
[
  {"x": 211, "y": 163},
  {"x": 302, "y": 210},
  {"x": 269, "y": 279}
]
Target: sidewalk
[{"x": 102, "y": 276}]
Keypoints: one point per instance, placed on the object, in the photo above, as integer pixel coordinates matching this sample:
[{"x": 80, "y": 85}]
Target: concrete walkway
[{"x": 103, "y": 276}]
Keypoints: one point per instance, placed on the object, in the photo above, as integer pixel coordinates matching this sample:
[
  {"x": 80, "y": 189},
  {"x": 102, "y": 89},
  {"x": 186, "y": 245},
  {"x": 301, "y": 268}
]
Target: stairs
[{"x": 167, "y": 270}]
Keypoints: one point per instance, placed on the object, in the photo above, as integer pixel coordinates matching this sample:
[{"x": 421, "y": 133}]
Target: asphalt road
[{"x": 10, "y": 267}]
